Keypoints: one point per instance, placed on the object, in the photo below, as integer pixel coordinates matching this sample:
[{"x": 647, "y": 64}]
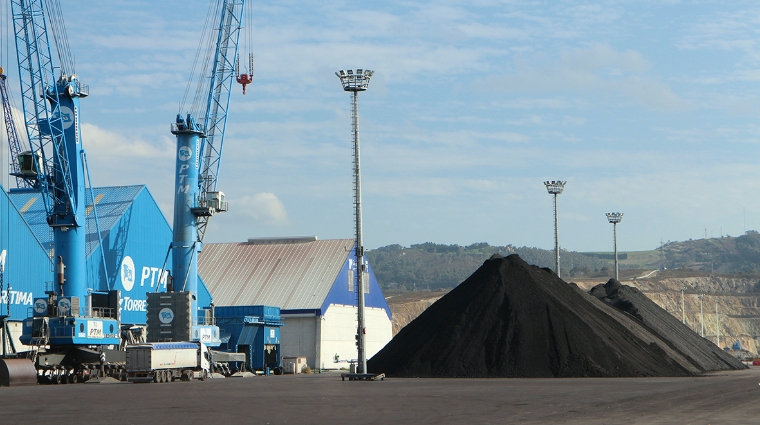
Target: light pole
[
  {"x": 615, "y": 218},
  {"x": 683, "y": 309},
  {"x": 355, "y": 82},
  {"x": 702, "y": 314},
  {"x": 555, "y": 188},
  {"x": 717, "y": 321}
]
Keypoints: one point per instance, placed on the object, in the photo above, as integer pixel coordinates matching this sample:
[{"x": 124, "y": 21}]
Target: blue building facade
[{"x": 135, "y": 239}]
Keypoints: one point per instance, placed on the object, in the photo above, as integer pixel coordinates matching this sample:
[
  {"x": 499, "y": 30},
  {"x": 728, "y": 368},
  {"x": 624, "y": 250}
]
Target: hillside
[{"x": 431, "y": 266}]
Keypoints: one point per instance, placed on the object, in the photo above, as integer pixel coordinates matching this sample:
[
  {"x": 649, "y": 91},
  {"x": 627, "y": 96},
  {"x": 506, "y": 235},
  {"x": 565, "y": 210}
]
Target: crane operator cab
[{"x": 29, "y": 164}]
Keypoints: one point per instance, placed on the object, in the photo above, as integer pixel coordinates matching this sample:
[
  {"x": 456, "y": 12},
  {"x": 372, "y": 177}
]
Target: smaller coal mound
[
  {"x": 701, "y": 352},
  {"x": 510, "y": 319}
]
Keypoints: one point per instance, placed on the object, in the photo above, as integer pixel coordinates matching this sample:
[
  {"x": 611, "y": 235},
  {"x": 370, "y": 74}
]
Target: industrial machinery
[
  {"x": 255, "y": 332},
  {"x": 199, "y": 154},
  {"x": 73, "y": 331},
  {"x": 166, "y": 361}
]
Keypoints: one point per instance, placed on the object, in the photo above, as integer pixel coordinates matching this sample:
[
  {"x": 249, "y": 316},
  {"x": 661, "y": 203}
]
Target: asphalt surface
[{"x": 725, "y": 397}]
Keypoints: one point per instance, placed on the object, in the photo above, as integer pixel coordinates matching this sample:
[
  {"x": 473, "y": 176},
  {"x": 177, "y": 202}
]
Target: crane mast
[
  {"x": 54, "y": 165},
  {"x": 199, "y": 153}
]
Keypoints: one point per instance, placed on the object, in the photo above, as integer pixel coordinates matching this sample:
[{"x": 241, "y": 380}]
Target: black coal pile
[
  {"x": 510, "y": 319},
  {"x": 700, "y": 352}
]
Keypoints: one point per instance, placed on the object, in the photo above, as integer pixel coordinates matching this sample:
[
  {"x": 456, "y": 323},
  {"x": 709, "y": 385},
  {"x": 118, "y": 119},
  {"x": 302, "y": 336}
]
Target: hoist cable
[{"x": 209, "y": 15}]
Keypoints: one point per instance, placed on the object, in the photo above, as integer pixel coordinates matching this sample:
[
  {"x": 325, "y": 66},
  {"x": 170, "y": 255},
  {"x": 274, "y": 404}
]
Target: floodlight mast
[
  {"x": 555, "y": 188},
  {"x": 683, "y": 305},
  {"x": 355, "y": 82},
  {"x": 615, "y": 218}
]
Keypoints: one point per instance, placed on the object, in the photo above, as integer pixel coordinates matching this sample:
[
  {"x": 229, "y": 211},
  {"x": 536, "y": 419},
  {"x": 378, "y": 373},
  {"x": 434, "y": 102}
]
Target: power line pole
[
  {"x": 702, "y": 314},
  {"x": 717, "y": 321}
]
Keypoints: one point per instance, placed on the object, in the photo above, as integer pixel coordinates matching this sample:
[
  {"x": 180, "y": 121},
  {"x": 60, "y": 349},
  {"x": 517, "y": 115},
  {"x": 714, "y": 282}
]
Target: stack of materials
[
  {"x": 702, "y": 353},
  {"x": 510, "y": 319}
]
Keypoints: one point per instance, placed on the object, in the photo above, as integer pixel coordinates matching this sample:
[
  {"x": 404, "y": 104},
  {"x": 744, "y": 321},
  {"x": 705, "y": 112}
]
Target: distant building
[{"x": 312, "y": 281}]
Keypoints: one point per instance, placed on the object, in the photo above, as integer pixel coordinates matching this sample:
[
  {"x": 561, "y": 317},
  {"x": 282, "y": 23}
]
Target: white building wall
[
  {"x": 339, "y": 329},
  {"x": 298, "y": 338}
]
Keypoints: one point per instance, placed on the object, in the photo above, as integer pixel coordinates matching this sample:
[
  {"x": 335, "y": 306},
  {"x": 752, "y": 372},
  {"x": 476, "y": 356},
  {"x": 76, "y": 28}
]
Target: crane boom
[
  {"x": 14, "y": 142},
  {"x": 217, "y": 104}
]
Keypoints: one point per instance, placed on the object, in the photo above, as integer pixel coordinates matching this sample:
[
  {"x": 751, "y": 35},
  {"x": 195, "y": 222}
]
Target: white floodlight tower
[
  {"x": 683, "y": 305},
  {"x": 355, "y": 82},
  {"x": 555, "y": 188},
  {"x": 615, "y": 218}
]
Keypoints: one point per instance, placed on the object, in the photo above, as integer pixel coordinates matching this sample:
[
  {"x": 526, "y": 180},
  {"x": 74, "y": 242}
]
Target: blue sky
[{"x": 645, "y": 107}]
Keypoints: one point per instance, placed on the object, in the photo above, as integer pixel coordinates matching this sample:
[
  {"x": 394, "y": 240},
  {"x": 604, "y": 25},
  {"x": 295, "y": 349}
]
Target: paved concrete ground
[{"x": 728, "y": 397}]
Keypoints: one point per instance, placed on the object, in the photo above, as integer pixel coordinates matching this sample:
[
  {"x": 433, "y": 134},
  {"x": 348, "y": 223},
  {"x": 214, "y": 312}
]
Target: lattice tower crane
[{"x": 199, "y": 144}]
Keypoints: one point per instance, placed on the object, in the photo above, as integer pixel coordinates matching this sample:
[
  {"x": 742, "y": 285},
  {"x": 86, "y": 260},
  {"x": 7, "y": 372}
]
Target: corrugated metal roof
[
  {"x": 111, "y": 203},
  {"x": 287, "y": 275}
]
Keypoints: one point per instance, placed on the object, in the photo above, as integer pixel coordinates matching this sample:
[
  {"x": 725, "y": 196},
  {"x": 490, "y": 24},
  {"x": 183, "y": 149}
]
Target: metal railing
[{"x": 104, "y": 312}]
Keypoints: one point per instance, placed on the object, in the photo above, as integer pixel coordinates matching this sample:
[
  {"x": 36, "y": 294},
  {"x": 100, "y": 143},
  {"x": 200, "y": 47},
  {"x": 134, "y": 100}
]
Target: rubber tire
[{"x": 156, "y": 377}]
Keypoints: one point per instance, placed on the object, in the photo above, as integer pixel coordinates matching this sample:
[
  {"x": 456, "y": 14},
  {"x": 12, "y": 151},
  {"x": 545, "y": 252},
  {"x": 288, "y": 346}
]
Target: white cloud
[
  {"x": 101, "y": 143},
  {"x": 263, "y": 207}
]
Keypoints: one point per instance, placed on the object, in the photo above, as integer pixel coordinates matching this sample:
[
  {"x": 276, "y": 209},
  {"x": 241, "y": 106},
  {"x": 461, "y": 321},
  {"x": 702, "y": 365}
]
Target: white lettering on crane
[
  {"x": 144, "y": 275},
  {"x": 184, "y": 154}
]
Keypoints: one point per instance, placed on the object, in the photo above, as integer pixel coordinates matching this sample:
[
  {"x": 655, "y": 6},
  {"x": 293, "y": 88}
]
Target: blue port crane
[
  {"x": 14, "y": 143},
  {"x": 199, "y": 146},
  {"x": 55, "y": 167}
]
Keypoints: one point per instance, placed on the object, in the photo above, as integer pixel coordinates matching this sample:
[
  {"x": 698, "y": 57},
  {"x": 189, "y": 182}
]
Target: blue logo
[
  {"x": 64, "y": 307},
  {"x": 166, "y": 315},
  {"x": 185, "y": 153},
  {"x": 40, "y": 306},
  {"x": 127, "y": 273}
]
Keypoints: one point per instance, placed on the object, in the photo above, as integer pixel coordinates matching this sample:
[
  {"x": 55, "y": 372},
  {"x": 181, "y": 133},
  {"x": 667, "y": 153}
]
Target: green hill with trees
[{"x": 431, "y": 266}]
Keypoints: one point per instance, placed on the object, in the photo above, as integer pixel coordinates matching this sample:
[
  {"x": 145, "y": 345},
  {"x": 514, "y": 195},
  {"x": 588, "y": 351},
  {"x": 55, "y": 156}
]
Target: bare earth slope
[
  {"x": 510, "y": 319},
  {"x": 701, "y": 352}
]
